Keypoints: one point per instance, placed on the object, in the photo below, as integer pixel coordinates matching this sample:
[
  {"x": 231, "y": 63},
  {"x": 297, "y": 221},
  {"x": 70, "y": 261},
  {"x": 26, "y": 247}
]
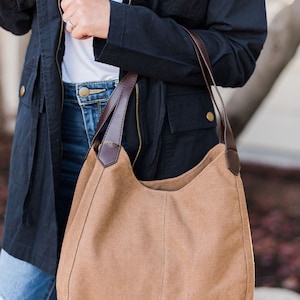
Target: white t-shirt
[{"x": 79, "y": 64}]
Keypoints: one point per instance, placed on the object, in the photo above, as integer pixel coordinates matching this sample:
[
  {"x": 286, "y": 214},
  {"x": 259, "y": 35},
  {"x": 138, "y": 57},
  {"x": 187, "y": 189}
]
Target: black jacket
[{"x": 166, "y": 128}]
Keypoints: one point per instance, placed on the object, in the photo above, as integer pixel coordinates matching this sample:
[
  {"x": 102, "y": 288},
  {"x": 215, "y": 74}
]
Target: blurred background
[{"x": 265, "y": 117}]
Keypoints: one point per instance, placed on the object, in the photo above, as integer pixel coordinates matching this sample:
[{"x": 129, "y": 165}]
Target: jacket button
[
  {"x": 210, "y": 116},
  {"x": 22, "y": 90},
  {"x": 84, "y": 92}
]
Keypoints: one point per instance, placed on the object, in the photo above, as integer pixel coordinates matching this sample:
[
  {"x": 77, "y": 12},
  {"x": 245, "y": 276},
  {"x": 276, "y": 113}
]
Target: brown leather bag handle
[
  {"x": 111, "y": 144},
  {"x": 226, "y": 135},
  {"x": 123, "y": 89}
]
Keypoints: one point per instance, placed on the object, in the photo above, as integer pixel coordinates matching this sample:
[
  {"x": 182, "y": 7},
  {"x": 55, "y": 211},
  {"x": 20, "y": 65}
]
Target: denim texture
[
  {"x": 79, "y": 121},
  {"x": 28, "y": 283}
]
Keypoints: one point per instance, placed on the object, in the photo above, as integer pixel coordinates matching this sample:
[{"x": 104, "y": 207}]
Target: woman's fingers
[{"x": 86, "y": 18}]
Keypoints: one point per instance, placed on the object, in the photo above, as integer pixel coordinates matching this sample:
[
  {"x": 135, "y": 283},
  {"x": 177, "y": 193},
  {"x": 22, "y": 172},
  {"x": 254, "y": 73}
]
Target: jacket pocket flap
[{"x": 192, "y": 110}]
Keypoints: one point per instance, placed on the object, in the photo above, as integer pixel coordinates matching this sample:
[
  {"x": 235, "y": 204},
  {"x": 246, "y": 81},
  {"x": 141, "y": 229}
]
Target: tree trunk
[{"x": 281, "y": 45}]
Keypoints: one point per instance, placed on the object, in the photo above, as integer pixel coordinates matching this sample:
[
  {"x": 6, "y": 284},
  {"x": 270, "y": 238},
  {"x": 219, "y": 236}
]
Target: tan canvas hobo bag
[{"x": 181, "y": 238}]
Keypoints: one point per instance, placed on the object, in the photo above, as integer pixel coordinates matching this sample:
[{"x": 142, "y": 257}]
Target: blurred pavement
[{"x": 264, "y": 293}]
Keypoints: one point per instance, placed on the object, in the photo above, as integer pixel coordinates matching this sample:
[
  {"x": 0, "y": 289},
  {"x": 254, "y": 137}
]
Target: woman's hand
[{"x": 86, "y": 18}]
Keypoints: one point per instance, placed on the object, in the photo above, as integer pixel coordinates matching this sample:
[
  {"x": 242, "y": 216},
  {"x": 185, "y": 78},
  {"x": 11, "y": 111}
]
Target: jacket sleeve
[
  {"x": 16, "y": 15},
  {"x": 141, "y": 41}
]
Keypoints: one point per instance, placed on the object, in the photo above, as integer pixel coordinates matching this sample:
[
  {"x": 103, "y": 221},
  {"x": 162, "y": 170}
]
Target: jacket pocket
[{"x": 189, "y": 109}]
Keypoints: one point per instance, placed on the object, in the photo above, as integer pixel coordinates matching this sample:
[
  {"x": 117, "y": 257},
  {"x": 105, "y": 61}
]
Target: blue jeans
[
  {"x": 83, "y": 104},
  {"x": 20, "y": 280}
]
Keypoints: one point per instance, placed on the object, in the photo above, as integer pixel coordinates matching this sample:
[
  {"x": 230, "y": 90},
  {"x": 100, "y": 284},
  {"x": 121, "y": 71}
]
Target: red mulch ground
[{"x": 273, "y": 197}]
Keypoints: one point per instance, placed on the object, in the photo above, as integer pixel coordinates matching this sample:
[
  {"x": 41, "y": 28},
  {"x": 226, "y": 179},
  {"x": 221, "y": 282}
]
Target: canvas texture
[{"x": 181, "y": 238}]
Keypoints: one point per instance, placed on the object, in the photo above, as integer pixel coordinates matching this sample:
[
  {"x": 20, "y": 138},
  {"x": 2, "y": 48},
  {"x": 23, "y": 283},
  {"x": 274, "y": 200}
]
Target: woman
[{"x": 77, "y": 52}]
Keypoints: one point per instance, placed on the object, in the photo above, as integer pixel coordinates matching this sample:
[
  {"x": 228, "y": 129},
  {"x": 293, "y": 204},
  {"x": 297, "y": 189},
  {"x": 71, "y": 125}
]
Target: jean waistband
[{"x": 86, "y": 92}]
